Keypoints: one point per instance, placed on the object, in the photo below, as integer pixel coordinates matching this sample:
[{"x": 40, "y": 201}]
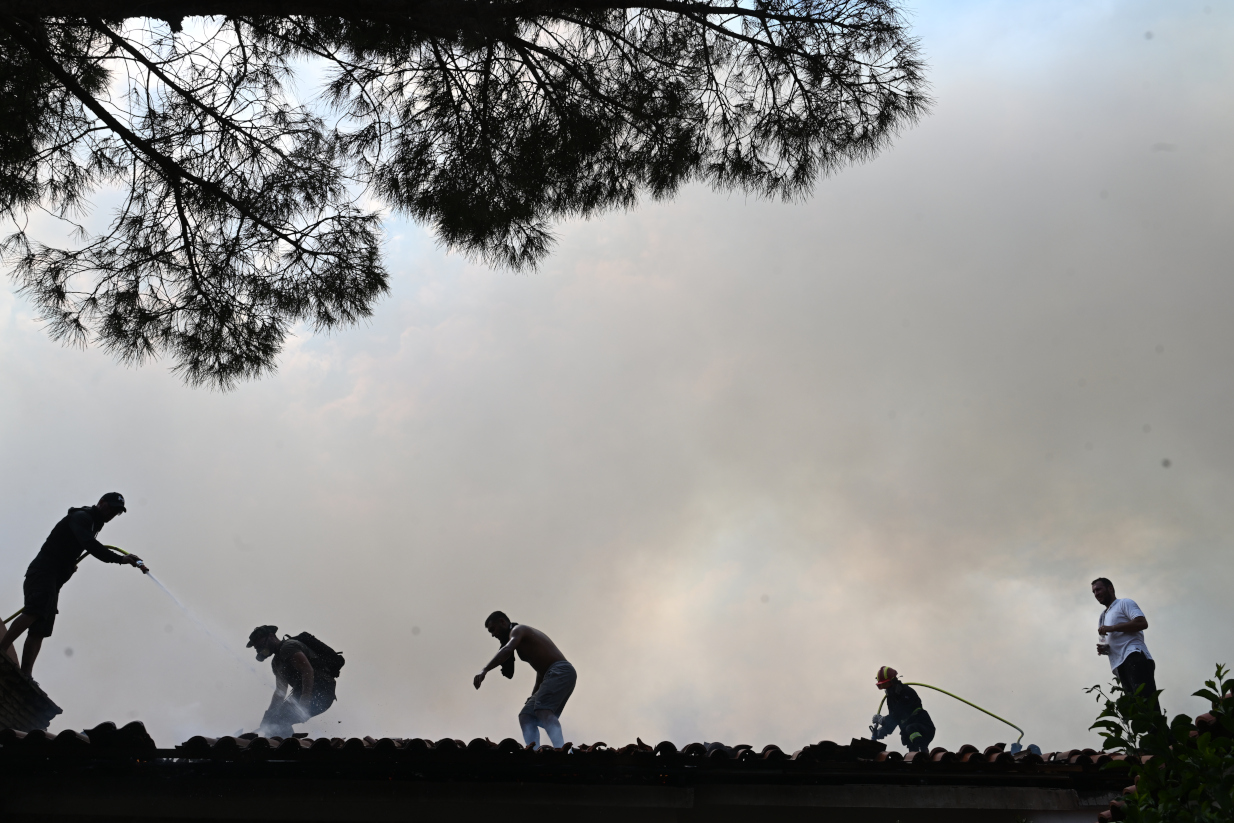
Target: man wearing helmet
[{"x": 904, "y": 709}]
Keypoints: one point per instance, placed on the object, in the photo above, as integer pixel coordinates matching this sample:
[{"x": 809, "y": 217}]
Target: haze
[{"x": 731, "y": 455}]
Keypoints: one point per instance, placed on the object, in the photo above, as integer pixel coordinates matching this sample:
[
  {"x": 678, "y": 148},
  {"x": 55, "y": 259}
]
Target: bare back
[{"x": 535, "y": 648}]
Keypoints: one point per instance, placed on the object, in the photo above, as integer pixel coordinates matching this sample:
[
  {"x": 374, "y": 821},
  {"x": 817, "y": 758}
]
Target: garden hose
[
  {"x": 83, "y": 557},
  {"x": 962, "y": 700}
]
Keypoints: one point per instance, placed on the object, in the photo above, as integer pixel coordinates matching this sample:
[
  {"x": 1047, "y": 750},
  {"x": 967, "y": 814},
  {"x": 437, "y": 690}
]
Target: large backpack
[{"x": 332, "y": 660}]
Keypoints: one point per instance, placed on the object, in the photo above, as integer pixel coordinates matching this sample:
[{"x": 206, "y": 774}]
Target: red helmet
[{"x": 884, "y": 677}]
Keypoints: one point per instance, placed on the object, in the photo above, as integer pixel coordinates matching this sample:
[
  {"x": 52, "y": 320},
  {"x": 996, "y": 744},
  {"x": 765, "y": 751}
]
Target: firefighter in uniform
[{"x": 904, "y": 709}]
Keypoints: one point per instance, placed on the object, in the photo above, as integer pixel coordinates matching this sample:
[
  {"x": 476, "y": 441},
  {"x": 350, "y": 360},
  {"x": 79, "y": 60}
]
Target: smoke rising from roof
[{"x": 918, "y": 413}]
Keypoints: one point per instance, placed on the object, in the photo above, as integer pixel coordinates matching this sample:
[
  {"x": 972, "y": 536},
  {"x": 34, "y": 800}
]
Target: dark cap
[
  {"x": 114, "y": 499},
  {"x": 260, "y": 632}
]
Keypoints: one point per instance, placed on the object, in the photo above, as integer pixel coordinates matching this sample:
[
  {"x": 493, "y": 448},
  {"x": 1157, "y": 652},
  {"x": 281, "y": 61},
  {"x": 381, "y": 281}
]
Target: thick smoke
[{"x": 731, "y": 456}]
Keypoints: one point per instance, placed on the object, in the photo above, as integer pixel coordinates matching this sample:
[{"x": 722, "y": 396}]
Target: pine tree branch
[{"x": 169, "y": 167}]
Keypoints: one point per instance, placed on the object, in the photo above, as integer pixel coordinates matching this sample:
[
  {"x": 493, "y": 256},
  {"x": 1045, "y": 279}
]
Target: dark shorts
[
  {"x": 42, "y": 598},
  {"x": 1137, "y": 670},
  {"x": 555, "y": 689}
]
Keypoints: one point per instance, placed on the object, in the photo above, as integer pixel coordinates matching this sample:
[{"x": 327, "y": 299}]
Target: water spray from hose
[
  {"x": 201, "y": 625},
  {"x": 187, "y": 613}
]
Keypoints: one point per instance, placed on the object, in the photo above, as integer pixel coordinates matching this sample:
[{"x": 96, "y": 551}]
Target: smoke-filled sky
[{"x": 731, "y": 455}]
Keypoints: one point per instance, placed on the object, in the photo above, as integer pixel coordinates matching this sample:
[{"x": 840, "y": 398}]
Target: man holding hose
[
  {"x": 75, "y": 536},
  {"x": 904, "y": 709}
]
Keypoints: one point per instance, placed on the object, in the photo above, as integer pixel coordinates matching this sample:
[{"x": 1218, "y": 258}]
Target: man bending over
[
  {"x": 75, "y": 536},
  {"x": 555, "y": 677},
  {"x": 309, "y": 673},
  {"x": 904, "y": 709}
]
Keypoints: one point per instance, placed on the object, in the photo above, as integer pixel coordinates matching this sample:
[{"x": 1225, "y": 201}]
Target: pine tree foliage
[{"x": 244, "y": 208}]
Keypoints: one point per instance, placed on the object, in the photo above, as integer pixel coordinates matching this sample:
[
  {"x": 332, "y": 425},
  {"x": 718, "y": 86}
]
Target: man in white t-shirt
[{"x": 1121, "y": 631}]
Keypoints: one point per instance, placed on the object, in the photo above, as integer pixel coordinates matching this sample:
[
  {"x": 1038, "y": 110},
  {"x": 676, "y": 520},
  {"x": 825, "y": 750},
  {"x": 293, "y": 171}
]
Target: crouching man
[
  {"x": 302, "y": 664},
  {"x": 904, "y": 709},
  {"x": 555, "y": 677}
]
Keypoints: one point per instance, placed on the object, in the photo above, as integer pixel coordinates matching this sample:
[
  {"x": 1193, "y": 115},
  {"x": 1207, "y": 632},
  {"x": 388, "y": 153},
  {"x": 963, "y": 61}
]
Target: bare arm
[
  {"x": 1136, "y": 624},
  {"x": 280, "y": 692},
  {"x": 302, "y": 665},
  {"x": 502, "y": 655}
]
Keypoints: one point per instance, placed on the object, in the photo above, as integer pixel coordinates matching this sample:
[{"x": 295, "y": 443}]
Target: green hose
[
  {"x": 83, "y": 557},
  {"x": 962, "y": 700}
]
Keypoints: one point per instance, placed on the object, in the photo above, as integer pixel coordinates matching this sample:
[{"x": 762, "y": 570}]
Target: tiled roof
[
  {"x": 133, "y": 740},
  {"x": 510, "y": 750},
  {"x": 103, "y": 740},
  {"x": 483, "y": 759},
  {"x": 23, "y": 705},
  {"x": 120, "y": 769}
]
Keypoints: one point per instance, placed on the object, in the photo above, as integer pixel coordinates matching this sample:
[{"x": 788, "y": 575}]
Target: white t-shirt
[{"x": 1123, "y": 610}]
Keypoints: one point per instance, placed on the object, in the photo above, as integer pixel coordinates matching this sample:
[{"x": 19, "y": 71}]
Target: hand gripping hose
[
  {"x": 83, "y": 557},
  {"x": 1016, "y": 745}
]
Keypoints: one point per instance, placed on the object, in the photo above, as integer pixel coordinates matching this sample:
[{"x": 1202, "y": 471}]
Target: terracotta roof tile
[
  {"x": 133, "y": 739},
  {"x": 23, "y": 705}
]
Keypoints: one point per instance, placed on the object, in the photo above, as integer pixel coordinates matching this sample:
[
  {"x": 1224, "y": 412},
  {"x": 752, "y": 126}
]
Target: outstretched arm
[
  {"x": 502, "y": 655},
  {"x": 131, "y": 559},
  {"x": 89, "y": 543}
]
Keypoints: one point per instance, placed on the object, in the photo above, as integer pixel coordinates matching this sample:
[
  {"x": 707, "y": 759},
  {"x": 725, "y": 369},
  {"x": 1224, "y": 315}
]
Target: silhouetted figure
[
  {"x": 302, "y": 663},
  {"x": 70, "y": 540},
  {"x": 904, "y": 709},
  {"x": 555, "y": 677},
  {"x": 1121, "y": 627}
]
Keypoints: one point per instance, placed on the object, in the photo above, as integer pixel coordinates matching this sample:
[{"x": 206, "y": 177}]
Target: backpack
[{"x": 332, "y": 660}]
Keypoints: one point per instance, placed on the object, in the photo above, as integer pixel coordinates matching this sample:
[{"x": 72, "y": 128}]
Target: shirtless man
[{"x": 555, "y": 677}]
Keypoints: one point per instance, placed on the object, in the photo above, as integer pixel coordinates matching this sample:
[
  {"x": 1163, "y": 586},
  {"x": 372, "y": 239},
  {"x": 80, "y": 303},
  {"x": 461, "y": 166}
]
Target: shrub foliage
[{"x": 1184, "y": 770}]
